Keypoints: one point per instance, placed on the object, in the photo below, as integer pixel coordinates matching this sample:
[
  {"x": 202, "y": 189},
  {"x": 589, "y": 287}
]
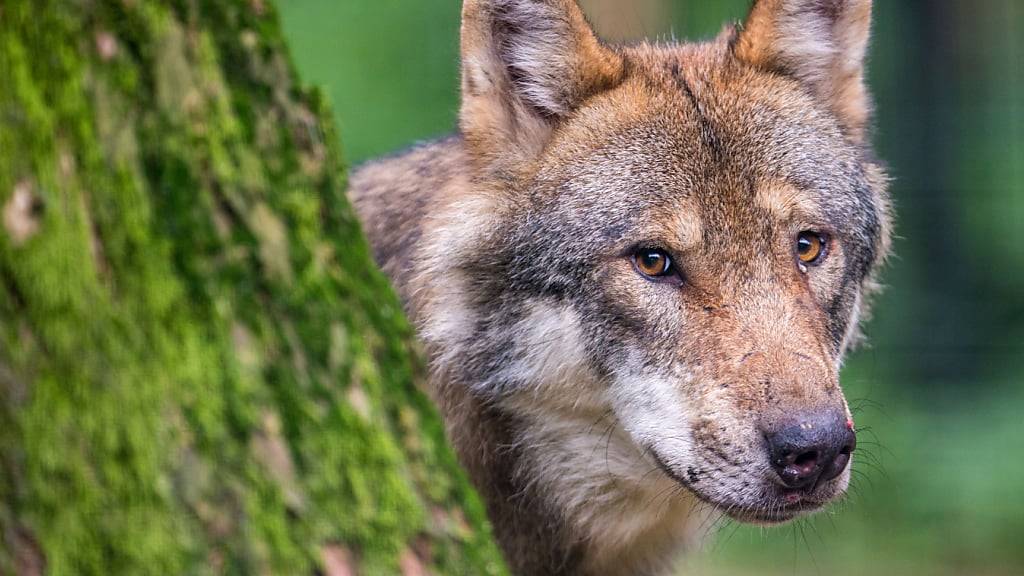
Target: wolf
[{"x": 635, "y": 271}]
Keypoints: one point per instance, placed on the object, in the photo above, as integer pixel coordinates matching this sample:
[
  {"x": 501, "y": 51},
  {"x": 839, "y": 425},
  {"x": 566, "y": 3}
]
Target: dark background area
[{"x": 939, "y": 483}]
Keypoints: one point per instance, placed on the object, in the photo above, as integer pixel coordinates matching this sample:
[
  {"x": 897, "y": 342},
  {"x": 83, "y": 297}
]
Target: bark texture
[{"x": 201, "y": 371}]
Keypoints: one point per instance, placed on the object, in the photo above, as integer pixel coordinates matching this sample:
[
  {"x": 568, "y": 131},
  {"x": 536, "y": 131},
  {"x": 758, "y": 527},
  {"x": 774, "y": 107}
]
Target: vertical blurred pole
[
  {"x": 926, "y": 318},
  {"x": 932, "y": 214},
  {"x": 948, "y": 78},
  {"x": 960, "y": 211}
]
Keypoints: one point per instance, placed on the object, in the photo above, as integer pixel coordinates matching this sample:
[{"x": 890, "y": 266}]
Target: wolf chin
[{"x": 635, "y": 271}]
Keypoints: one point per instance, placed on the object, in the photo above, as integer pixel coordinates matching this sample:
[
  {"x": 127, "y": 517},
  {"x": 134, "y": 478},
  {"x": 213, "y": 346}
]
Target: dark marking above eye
[{"x": 707, "y": 132}]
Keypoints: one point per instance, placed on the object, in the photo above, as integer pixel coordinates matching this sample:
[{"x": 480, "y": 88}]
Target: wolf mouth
[
  {"x": 769, "y": 514},
  {"x": 772, "y": 515}
]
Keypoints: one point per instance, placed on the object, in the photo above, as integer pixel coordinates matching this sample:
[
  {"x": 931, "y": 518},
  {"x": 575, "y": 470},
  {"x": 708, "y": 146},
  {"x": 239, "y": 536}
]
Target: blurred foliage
[
  {"x": 937, "y": 391},
  {"x": 389, "y": 66}
]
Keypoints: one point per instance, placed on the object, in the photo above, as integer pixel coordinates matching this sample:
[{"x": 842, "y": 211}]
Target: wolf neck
[
  {"x": 574, "y": 496},
  {"x": 629, "y": 516}
]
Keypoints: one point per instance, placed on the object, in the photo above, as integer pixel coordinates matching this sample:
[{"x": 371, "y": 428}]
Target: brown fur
[{"x": 603, "y": 416}]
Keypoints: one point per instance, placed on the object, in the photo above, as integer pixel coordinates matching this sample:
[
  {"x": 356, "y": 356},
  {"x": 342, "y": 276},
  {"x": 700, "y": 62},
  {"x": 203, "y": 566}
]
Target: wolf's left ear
[
  {"x": 821, "y": 43},
  {"x": 526, "y": 65}
]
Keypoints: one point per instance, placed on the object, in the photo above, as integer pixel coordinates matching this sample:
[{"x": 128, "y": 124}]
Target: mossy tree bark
[{"x": 201, "y": 372}]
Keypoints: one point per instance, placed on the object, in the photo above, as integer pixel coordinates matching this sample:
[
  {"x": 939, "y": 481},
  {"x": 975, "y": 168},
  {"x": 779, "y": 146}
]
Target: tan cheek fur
[{"x": 443, "y": 313}]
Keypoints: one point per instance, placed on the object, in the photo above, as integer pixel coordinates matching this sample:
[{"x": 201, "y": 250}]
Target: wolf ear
[
  {"x": 821, "y": 43},
  {"x": 526, "y": 65}
]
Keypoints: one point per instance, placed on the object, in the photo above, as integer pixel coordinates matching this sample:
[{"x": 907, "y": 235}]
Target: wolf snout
[{"x": 811, "y": 448}]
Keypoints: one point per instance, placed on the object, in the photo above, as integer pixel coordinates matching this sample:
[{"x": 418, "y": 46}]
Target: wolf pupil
[
  {"x": 809, "y": 247},
  {"x": 654, "y": 263}
]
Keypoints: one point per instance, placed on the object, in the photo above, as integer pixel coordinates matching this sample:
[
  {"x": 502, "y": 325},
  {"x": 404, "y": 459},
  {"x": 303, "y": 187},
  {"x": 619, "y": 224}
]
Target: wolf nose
[{"x": 811, "y": 448}]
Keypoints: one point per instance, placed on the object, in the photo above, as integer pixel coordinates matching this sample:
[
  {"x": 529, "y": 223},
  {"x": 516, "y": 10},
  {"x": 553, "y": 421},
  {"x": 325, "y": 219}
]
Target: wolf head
[{"x": 676, "y": 239}]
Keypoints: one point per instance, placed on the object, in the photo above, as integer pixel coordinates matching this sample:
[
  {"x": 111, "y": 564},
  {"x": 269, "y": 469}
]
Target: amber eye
[
  {"x": 810, "y": 247},
  {"x": 654, "y": 264}
]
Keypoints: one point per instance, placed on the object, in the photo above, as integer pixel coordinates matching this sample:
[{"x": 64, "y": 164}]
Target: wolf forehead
[{"x": 699, "y": 141}]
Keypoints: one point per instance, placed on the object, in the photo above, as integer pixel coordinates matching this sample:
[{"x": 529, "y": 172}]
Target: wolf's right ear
[{"x": 526, "y": 65}]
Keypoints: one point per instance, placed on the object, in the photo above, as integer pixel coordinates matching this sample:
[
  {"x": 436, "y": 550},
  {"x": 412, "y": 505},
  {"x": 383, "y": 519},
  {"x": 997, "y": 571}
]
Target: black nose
[{"x": 811, "y": 448}]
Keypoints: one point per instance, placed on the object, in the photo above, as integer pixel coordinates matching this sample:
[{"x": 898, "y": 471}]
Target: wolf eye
[
  {"x": 810, "y": 248},
  {"x": 654, "y": 264}
]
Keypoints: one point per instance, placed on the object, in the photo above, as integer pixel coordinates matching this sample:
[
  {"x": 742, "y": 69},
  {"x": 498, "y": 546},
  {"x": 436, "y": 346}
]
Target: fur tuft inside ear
[
  {"x": 821, "y": 43},
  {"x": 539, "y": 46},
  {"x": 525, "y": 65}
]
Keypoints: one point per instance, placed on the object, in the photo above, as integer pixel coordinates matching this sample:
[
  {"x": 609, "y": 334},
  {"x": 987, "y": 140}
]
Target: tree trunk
[{"x": 201, "y": 371}]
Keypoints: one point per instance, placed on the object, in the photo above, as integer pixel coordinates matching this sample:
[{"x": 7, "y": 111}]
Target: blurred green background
[{"x": 939, "y": 478}]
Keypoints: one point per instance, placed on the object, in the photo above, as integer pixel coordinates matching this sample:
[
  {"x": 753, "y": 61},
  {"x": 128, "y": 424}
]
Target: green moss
[{"x": 201, "y": 371}]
